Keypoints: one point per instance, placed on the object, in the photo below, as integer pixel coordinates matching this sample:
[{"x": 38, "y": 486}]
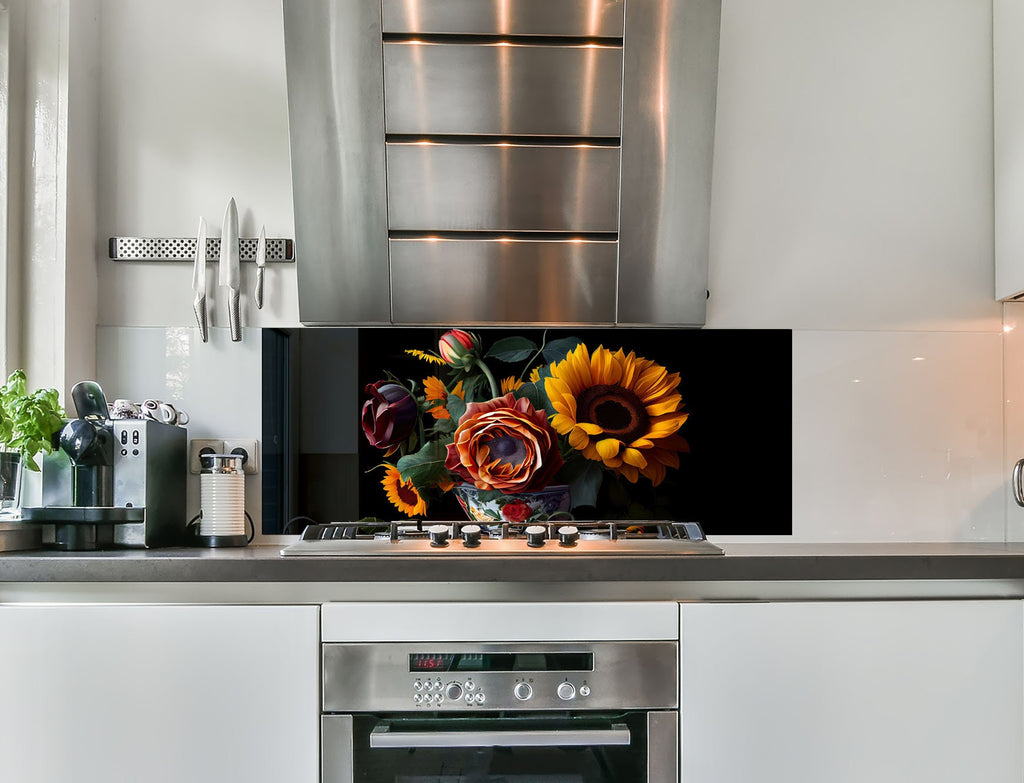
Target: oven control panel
[
  {"x": 439, "y": 692},
  {"x": 512, "y": 676}
]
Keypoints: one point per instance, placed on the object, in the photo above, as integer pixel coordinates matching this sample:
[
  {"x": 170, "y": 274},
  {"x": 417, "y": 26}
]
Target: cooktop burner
[{"x": 469, "y": 538}]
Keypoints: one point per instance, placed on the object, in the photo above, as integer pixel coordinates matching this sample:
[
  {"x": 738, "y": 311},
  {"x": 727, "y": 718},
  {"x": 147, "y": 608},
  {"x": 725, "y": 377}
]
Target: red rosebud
[
  {"x": 459, "y": 348},
  {"x": 389, "y": 416}
]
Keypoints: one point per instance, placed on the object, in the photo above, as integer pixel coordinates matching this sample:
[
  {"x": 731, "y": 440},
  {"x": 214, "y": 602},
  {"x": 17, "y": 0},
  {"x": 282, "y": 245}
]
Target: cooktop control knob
[
  {"x": 522, "y": 691},
  {"x": 566, "y": 691},
  {"x": 568, "y": 535},
  {"x": 438, "y": 535},
  {"x": 471, "y": 535},
  {"x": 535, "y": 535},
  {"x": 453, "y": 692}
]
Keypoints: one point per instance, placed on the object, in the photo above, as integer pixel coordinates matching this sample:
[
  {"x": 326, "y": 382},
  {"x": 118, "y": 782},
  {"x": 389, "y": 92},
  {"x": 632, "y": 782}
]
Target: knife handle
[
  {"x": 258, "y": 295},
  {"x": 234, "y": 317},
  {"x": 199, "y": 306}
]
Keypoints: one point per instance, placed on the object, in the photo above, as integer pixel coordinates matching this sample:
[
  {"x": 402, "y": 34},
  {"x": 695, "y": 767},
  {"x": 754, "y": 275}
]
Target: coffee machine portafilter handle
[{"x": 90, "y": 401}]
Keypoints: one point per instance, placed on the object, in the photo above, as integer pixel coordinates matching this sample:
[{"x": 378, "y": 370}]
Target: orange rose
[{"x": 504, "y": 444}]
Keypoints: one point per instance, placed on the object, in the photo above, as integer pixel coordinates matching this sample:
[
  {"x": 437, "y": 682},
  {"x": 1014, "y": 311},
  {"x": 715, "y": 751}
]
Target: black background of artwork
[{"x": 736, "y": 386}]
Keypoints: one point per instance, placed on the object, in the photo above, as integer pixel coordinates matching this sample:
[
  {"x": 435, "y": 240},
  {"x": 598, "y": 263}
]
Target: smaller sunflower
[{"x": 402, "y": 494}]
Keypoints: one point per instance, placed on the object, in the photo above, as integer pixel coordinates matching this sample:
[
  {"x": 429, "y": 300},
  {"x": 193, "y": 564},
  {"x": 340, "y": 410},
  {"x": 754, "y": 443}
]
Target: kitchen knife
[
  {"x": 229, "y": 274},
  {"x": 199, "y": 281},
  {"x": 261, "y": 262}
]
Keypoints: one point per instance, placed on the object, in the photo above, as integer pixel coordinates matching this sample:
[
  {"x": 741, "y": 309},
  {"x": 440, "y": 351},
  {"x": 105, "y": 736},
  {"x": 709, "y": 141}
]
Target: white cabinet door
[
  {"x": 160, "y": 694},
  {"x": 880, "y": 692}
]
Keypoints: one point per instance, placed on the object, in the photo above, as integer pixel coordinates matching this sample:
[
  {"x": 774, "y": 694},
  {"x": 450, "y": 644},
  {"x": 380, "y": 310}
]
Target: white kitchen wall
[
  {"x": 852, "y": 203},
  {"x": 216, "y": 383}
]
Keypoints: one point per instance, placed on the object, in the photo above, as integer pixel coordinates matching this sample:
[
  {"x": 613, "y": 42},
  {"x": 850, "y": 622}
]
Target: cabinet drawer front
[
  {"x": 600, "y": 18},
  {"x": 502, "y": 89},
  {"x": 502, "y": 187},
  {"x": 503, "y": 281}
]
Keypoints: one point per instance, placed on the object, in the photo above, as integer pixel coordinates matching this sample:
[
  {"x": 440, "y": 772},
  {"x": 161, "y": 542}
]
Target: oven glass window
[{"x": 478, "y": 757}]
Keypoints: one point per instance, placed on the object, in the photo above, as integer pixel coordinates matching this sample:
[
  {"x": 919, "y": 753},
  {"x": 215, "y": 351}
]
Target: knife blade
[
  {"x": 261, "y": 262},
  {"x": 229, "y": 273},
  {"x": 199, "y": 282}
]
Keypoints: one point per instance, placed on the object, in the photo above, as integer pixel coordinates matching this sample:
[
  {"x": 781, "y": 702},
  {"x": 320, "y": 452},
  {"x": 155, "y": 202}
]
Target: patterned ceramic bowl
[{"x": 492, "y": 507}]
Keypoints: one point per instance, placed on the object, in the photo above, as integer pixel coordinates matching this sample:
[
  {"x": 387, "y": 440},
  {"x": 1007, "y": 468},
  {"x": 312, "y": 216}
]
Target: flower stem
[{"x": 495, "y": 388}]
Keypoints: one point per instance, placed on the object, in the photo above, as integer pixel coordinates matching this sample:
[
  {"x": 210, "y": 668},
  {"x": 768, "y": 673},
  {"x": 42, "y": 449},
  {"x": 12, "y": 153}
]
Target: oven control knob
[
  {"x": 584, "y": 690},
  {"x": 535, "y": 535},
  {"x": 453, "y": 692},
  {"x": 522, "y": 691},
  {"x": 471, "y": 535},
  {"x": 568, "y": 535},
  {"x": 566, "y": 691},
  {"x": 438, "y": 535}
]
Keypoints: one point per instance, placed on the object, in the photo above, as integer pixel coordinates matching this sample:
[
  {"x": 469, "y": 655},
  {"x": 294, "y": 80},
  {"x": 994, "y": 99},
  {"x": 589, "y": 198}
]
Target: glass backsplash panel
[{"x": 736, "y": 385}]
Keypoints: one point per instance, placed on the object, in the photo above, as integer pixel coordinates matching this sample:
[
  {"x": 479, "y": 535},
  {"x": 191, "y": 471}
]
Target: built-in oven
[{"x": 515, "y": 712}]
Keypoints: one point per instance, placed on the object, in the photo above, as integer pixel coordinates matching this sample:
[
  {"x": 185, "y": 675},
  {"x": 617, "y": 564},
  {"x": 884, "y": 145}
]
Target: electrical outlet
[
  {"x": 196, "y": 446},
  {"x": 250, "y": 448}
]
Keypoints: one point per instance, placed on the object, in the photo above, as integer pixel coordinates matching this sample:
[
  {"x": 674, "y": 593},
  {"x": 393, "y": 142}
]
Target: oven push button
[{"x": 522, "y": 691}]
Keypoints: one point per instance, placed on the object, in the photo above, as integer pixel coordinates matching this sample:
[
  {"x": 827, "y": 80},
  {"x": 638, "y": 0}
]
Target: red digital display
[{"x": 430, "y": 662}]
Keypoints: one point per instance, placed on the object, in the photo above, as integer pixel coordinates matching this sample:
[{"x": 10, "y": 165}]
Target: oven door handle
[{"x": 383, "y": 737}]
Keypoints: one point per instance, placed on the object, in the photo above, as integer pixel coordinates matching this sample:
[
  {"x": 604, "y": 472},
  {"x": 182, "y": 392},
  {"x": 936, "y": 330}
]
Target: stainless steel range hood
[{"x": 502, "y": 161}]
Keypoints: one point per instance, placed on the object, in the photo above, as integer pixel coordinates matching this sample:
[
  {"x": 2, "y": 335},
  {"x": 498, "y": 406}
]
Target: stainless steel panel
[
  {"x": 502, "y": 89},
  {"x": 595, "y": 18},
  {"x": 376, "y": 677},
  {"x": 494, "y": 281},
  {"x": 502, "y": 187},
  {"x": 670, "y": 68},
  {"x": 336, "y": 125},
  {"x": 336, "y": 749},
  {"x": 663, "y": 747},
  {"x": 616, "y": 734}
]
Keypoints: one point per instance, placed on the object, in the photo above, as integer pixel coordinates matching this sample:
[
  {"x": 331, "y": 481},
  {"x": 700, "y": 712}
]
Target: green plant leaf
[
  {"x": 512, "y": 349},
  {"x": 556, "y": 350},
  {"x": 456, "y": 409},
  {"x": 584, "y": 486},
  {"x": 530, "y": 391},
  {"x": 28, "y": 422},
  {"x": 425, "y": 468}
]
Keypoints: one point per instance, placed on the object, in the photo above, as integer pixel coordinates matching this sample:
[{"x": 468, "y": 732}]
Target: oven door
[{"x": 633, "y": 747}]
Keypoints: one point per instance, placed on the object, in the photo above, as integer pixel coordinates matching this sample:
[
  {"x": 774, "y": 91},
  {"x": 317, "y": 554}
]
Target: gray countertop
[{"x": 741, "y": 563}]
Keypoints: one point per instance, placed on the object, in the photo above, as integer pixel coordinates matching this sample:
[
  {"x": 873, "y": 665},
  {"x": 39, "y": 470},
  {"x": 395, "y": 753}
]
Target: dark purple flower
[{"x": 389, "y": 416}]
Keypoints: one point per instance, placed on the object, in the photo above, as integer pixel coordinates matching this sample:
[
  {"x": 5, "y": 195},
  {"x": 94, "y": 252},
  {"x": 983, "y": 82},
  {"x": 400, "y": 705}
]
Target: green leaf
[
  {"x": 556, "y": 350},
  {"x": 425, "y": 468},
  {"x": 530, "y": 391},
  {"x": 28, "y": 422},
  {"x": 512, "y": 349},
  {"x": 583, "y": 488},
  {"x": 456, "y": 408}
]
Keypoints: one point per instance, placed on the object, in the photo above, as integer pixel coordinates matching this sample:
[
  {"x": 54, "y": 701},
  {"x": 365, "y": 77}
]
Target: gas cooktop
[{"x": 647, "y": 538}]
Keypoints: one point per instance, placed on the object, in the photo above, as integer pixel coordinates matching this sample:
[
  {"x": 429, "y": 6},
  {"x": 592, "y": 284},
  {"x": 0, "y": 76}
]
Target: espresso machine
[{"x": 112, "y": 483}]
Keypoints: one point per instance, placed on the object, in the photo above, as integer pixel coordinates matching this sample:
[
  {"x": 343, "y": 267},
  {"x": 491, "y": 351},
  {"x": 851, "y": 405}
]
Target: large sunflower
[
  {"x": 402, "y": 494},
  {"x": 618, "y": 409}
]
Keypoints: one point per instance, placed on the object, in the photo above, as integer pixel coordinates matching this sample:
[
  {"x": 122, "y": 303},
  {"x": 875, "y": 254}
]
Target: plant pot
[
  {"x": 523, "y": 508},
  {"x": 11, "y": 469}
]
